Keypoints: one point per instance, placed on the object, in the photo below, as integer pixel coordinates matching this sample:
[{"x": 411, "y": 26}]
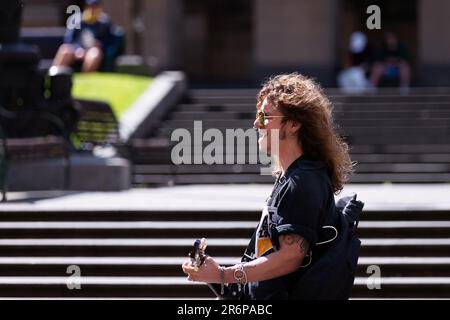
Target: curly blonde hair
[{"x": 301, "y": 99}]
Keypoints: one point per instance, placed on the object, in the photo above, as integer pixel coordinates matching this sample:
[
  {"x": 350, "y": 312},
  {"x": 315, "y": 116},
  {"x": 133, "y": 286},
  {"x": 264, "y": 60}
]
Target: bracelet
[
  {"x": 240, "y": 275},
  {"x": 222, "y": 280}
]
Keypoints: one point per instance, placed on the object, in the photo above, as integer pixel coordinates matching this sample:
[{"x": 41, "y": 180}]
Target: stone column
[
  {"x": 292, "y": 35},
  {"x": 434, "y": 42},
  {"x": 121, "y": 14},
  {"x": 162, "y": 37}
]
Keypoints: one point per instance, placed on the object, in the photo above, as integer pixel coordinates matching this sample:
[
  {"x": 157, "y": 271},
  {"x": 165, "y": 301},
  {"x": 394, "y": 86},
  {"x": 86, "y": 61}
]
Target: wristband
[{"x": 240, "y": 276}]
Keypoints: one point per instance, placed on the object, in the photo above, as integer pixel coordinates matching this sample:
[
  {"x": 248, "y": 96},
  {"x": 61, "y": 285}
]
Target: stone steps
[
  {"x": 171, "y": 266},
  {"x": 392, "y": 287},
  {"x": 214, "y": 214},
  {"x": 381, "y": 123},
  {"x": 194, "y": 229},
  {"x": 138, "y": 254},
  {"x": 241, "y": 178},
  {"x": 389, "y": 247}
]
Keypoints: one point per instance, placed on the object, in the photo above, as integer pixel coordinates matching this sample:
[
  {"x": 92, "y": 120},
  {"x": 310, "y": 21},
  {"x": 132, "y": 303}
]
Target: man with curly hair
[{"x": 312, "y": 164}]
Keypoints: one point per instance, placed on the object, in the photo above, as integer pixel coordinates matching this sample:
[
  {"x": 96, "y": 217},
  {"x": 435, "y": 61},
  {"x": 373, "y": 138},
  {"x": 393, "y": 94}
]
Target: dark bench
[
  {"x": 97, "y": 125},
  {"x": 33, "y": 126},
  {"x": 47, "y": 40}
]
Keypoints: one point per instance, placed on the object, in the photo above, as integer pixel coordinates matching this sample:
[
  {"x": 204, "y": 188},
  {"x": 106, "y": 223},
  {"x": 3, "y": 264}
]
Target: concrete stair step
[
  {"x": 377, "y": 167},
  {"x": 359, "y": 107},
  {"x": 66, "y": 215},
  {"x": 400, "y": 178},
  {"x": 171, "y": 266},
  {"x": 401, "y": 158},
  {"x": 414, "y": 247},
  {"x": 243, "y": 178},
  {"x": 180, "y": 287},
  {"x": 226, "y": 178},
  {"x": 200, "y": 112},
  {"x": 128, "y": 216},
  {"x": 116, "y": 247},
  {"x": 408, "y": 148},
  {"x": 346, "y": 124},
  {"x": 405, "y": 287},
  {"x": 405, "y": 266},
  {"x": 354, "y": 135},
  {"x": 404, "y": 229},
  {"x": 196, "y": 229},
  {"x": 331, "y": 92},
  {"x": 380, "y": 99},
  {"x": 362, "y": 151},
  {"x": 99, "y": 266},
  {"x": 119, "y": 229},
  {"x": 152, "y": 287}
]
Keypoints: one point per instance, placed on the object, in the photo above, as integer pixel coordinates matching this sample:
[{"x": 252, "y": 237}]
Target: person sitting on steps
[{"x": 88, "y": 43}]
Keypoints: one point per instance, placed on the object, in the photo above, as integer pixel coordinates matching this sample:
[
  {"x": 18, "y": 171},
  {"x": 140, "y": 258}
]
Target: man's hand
[{"x": 208, "y": 272}]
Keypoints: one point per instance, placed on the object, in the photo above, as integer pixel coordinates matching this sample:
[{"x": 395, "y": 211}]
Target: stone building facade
[{"x": 242, "y": 41}]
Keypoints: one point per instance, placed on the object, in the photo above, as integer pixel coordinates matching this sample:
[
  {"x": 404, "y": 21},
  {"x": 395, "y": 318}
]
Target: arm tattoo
[
  {"x": 290, "y": 239},
  {"x": 304, "y": 246}
]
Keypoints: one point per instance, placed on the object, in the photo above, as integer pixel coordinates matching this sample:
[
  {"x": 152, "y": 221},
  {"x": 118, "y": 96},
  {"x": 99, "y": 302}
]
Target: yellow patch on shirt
[{"x": 264, "y": 245}]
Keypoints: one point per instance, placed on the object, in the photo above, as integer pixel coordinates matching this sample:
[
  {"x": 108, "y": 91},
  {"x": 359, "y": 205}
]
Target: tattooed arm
[
  {"x": 295, "y": 242},
  {"x": 287, "y": 259}
]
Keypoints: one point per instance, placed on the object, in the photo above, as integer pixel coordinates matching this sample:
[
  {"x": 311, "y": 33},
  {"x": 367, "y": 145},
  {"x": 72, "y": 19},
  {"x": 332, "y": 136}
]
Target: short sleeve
[{"x": 300, "y": 208}]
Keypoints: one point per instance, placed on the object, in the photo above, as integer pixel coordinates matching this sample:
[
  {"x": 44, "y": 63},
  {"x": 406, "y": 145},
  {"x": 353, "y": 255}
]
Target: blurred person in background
[
  {"x": 392, "y": 63},
  {"x": 353, "y": 79},
  {"x": 87, "y": 44}
]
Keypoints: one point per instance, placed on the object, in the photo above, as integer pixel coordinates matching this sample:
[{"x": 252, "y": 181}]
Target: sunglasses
[{"x": 263, "y": 119}]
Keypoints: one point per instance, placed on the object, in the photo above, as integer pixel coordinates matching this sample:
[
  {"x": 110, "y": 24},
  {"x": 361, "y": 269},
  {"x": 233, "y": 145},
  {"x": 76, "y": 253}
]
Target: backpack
[{"x": 331, "y": 277}]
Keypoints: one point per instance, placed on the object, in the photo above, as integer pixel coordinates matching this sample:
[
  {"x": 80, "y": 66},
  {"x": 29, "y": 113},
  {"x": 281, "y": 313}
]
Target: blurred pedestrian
[
  {"x": 87, "y": 44},
  {"x": 353, "y": 79},
  {"x": 393, "y": 62}
]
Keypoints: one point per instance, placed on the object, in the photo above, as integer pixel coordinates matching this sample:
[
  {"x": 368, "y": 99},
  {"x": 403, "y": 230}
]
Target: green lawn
[{"x": 119, "y": 90}]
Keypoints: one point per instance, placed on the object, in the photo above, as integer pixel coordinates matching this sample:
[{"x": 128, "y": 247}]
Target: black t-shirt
[{"x": 302, "y": 201}]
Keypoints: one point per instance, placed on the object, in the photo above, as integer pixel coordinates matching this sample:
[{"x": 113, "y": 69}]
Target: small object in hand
[
  {"x": 197, "y": 254},
  {"x": 222, "y": 291}
]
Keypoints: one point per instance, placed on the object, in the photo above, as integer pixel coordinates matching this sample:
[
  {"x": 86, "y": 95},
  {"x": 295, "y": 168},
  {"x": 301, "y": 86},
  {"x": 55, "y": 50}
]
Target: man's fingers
[
  {"x": 184, "y": 269},
  {"x": 187, "y": 267},
  {"x": 208, "y": 259},
  {"x": 190, "y": 278}
]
